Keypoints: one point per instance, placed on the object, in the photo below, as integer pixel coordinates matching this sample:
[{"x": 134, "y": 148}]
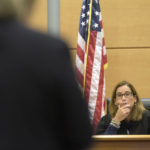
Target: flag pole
[{"x": 87, "y": 47}]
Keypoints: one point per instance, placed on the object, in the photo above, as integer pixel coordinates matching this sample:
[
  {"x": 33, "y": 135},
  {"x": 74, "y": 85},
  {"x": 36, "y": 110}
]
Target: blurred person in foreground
[
  {"x": 41, "y": 106},
  {"x": 127, "y": 114}
]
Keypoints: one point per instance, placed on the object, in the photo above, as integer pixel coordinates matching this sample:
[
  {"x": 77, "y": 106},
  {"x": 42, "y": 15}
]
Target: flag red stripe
[
  {"x": 105, "y": 59},
  {"x": 80, "y": 53},
  {"x": 101, "y": 24},
  {"x": 79, "y": 76},
  {"x": 104, "y": 56},
  {"x": 103, "y": 41},
  {"x": 89, "y": 67}
]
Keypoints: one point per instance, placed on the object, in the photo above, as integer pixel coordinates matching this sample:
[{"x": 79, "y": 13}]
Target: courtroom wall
[
  {"x": 38, "y": 17},
  {"x": 126, "y": 26}
]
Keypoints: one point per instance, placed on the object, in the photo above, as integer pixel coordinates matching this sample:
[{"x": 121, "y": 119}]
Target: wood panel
[
  {"x": 38, "y": 17},
  {"x": 99, "y": 138},
  {"x": 69, "y": 20},
  {"x": 120, "y": 142},
  {"x": 126, "y": 23},
  {"x": 127, "y": 64},
  {"x": 121, "y": 145}
]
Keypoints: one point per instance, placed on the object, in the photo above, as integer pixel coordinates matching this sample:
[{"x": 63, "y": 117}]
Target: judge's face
[{"x": 124, "y": 96}]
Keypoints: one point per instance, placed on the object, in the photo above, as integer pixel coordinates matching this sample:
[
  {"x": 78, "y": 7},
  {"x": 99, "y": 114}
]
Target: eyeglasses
[{"x": 126, "y": 95}]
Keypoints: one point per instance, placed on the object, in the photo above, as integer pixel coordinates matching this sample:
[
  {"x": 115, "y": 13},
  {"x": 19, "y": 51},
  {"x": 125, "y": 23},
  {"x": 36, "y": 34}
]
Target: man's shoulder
[{"x": 23, "y": 32}]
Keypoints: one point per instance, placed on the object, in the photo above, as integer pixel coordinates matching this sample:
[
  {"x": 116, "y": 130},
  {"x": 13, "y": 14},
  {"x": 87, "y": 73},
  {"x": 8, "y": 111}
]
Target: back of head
[{"x": 14, "y": 8}]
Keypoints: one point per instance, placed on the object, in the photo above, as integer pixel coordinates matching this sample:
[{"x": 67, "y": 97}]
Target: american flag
[{"x": 91, "y": 59}]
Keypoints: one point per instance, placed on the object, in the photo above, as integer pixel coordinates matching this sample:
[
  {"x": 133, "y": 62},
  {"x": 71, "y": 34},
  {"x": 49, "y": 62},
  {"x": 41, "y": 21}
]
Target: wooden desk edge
[{"x": 96, "y": 138}]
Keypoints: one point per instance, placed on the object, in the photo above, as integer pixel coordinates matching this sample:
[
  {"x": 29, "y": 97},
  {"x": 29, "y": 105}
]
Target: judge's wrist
[
  {"x": 115, "y": 123},
  {"x": 116, "y": 119}
]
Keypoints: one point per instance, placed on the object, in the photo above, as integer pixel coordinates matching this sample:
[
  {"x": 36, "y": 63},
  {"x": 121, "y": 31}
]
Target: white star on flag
[
  {"x": 88, "y": 13},
  {"x": 96, "y": 1},
  {"x": 96, "y": 13},
  {"x": 96, "y": 25},
  {"x": 83, "y": 7},
  {"x": 83, "y": 15},
  {"x": 83, "y": 24}
]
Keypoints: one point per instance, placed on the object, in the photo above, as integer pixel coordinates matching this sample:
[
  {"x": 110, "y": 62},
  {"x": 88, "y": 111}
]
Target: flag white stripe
[
  {"x": 102, "y": 33},
  {"x": 104, "y": 50},
  {"x": 79, "y": 65},
  {"x": 100, "y": 19},
  {"x": 81, "y": 42}
]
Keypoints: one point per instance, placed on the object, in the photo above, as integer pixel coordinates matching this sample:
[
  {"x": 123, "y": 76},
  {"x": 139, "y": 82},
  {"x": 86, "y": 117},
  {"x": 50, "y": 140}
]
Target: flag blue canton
[{"x": 84, "y": 18}]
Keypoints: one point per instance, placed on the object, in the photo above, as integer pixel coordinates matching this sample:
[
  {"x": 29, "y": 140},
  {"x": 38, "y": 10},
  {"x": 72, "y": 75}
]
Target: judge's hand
[{"x": 122, "y": 112}]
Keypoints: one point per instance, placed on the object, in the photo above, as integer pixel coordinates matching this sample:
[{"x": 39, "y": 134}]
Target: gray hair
[{"x": 14, "y": 8}]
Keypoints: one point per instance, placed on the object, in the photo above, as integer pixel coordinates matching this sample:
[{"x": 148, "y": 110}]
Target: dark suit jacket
[{"x": 41, "y": 106}]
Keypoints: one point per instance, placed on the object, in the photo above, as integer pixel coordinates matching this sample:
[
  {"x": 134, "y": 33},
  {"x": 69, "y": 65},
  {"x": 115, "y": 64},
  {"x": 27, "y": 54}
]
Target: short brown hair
[{"x": 138, "y": 108}]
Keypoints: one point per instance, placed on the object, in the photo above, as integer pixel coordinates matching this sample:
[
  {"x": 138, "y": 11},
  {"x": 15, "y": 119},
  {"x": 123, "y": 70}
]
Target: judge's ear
[
  {"x": 135, "y": 99},
  {"x": 115, "y": 102}
]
